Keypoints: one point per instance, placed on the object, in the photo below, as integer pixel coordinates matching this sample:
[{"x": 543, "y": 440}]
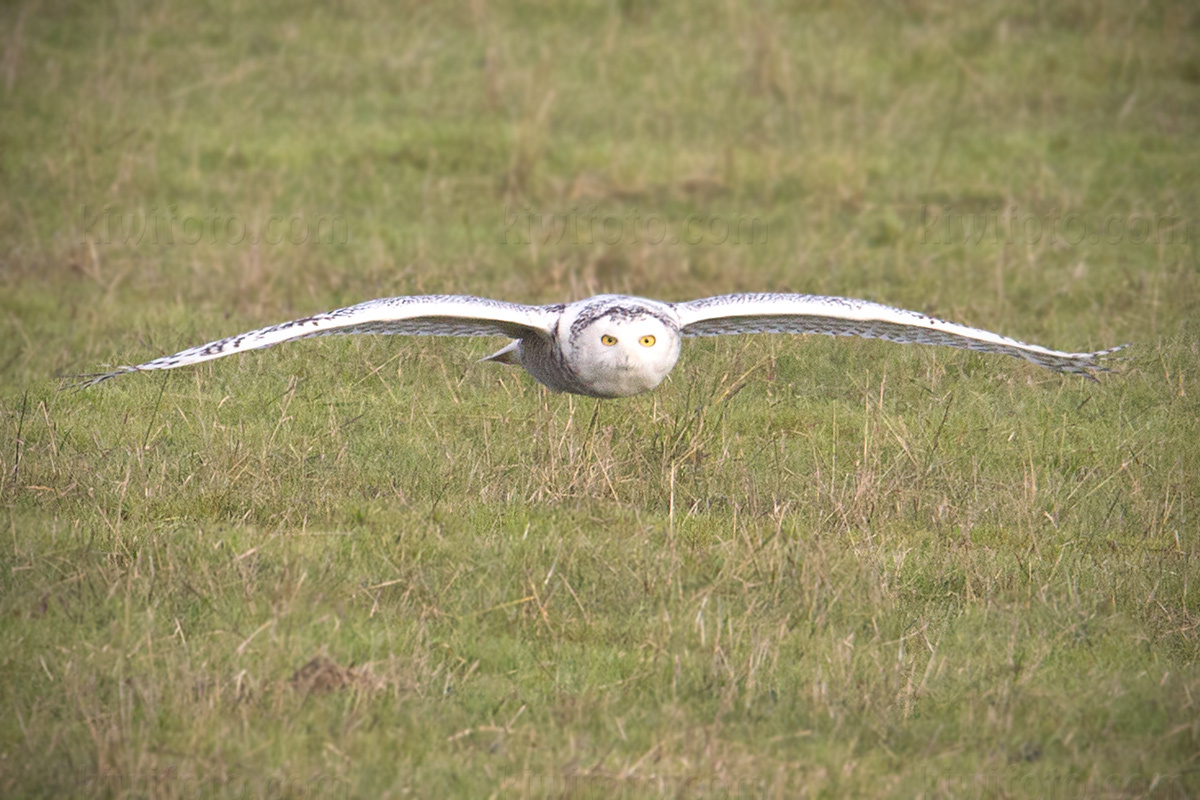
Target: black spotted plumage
[{"x": 559, "y": 345}]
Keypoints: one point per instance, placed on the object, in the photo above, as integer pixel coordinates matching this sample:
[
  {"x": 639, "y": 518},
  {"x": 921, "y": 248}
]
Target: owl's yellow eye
[
  {"x": 646, "y": 341},
  {"x": 608, "y": 341}
]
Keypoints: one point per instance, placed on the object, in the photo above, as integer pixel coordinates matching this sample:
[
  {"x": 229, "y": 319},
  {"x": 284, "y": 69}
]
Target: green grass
[{"x": 802, "y": 567}]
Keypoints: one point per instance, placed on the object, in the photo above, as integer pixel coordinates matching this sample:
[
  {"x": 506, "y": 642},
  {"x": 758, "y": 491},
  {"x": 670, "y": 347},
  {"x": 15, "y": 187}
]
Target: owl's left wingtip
[{"x": 1104, "y": 361}]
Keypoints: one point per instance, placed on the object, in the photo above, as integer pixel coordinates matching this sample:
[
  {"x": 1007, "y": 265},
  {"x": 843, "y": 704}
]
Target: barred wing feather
[
  {"x": 435, "y": 315},
  {"x": 838, "y": 316}
]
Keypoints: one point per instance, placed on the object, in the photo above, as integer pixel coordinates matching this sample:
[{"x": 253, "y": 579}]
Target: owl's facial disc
[{"x": 625, "y": 353}]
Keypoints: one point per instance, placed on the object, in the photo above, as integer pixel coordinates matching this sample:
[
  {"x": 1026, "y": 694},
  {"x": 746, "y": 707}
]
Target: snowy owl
[{"x": 615, "y": 346}]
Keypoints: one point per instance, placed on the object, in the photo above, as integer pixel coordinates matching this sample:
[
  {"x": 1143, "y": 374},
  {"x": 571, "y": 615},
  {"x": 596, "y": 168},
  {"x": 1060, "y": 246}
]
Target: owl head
[{"x": 621, "y": 345}]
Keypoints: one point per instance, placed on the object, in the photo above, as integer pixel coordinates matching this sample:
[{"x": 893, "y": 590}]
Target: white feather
[
  {"x": 614, "y": 346},
  {"x": 840, "y": 316}
]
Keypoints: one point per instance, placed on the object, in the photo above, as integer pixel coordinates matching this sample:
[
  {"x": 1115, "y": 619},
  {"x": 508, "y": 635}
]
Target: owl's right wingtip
[{"x": 77, "y": 383}]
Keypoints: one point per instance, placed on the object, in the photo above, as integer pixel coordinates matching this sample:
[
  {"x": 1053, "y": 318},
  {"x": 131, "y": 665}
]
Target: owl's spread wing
[
  {"x": 434, "y": 315},
  {"x": 839, "y": 316}
]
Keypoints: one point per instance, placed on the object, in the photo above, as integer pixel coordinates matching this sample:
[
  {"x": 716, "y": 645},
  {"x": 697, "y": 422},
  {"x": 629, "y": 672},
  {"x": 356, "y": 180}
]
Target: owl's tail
[{"x": 510, "y": 355}]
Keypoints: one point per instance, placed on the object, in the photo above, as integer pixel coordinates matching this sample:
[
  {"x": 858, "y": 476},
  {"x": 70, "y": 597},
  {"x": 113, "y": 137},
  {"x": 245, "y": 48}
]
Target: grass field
[{"x": 370, "y": 566}]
